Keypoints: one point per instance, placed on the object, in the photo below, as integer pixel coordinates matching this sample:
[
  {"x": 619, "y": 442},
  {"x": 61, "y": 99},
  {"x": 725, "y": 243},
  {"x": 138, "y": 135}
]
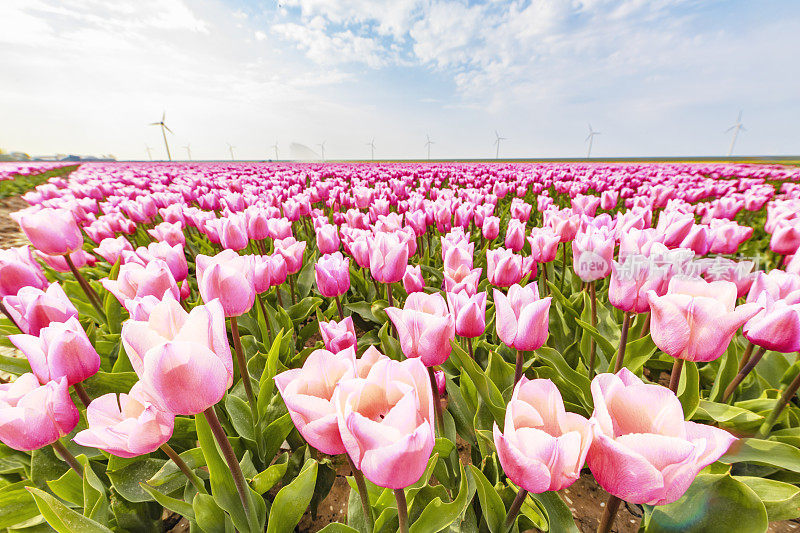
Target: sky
[{"x": 654, "y": 77}]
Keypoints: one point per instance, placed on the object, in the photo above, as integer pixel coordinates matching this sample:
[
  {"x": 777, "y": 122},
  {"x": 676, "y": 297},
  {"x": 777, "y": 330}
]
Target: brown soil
[{"x": 10, "y": 234}]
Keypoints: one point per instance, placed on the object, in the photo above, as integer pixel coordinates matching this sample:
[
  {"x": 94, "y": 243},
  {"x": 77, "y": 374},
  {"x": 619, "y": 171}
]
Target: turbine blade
[
  {"x": 167, "y": 128},
  {"x": 163, "y": 115},
  {"x": 155, "y": 123}
]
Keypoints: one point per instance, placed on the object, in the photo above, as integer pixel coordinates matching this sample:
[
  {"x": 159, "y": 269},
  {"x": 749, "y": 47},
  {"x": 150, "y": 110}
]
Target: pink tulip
[
  {"x": 592, "y": 252},
  {"x": 227, "y": 277},
  {"x": 18, "y": 269},
  {"x": 33, "y": 309},
  {"x": 544, "y": 245},
  {"x": 183, "y": 359},
  {"x": 673, "y": 227},
  {"x": 172, "y": 255},
  {"x": 643, "y": 450},
  {"x": 128, "y": 426},
  {"x": 62, "y": 349},
  {"x": 542, "y": 447},
  {"x": 136, "y": 281},
  {"x": 469, "y": 312},
  {"x": 279, "y": 228},
  {"x": 268, "y": 271},
  {"x": 332, "y": 272},
  {"x": 413, "y": 280},
  {"x": 385, "y": 421},
  {"x": 503, "y": 267},
  {"x": 33, "y": 415},
  {"x": 522, "y": 318},
  {"x": 490, "y": 228},
  {"x": 338, "y": 336},
  {"x": 388, "y": 257},
  {"x": 609, "y": 199},
  {"x": 779, "y": 284},
  {"x": 458, "y": 256},
  {"x": 740, "y": 273},
  {"x": 308, "y": 392},
  {"x": 111, "y": 249},
  {"x": 786, "y": 238},
  {"x": 776, "y": 327},
  {"x": 51, "y": 231},
  {"x": 515, "y": 235},
  {"x": 462, "y": 279},
  {"x": 171, "y": 234},
  {"x": 696, "y": 319},
  {"x": 233, "y": 233},
  {"x": 631, "y": 280},
  {"x": 79, "y": 258},
  {"x": 328, "y": 239},
  {"x": 292, "y": 252},
  {"x": 425, "y": 327}
]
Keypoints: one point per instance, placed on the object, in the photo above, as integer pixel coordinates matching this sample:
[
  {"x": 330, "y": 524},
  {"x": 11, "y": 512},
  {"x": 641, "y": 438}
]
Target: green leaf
[
  {"x": 173, "y": 504},
  {"x": 16, "y": 506},
  {"x": 337, "y": 528},
  {"x": 14, "y": 365},
  {"x": 437, "y": 515},
  {"x": 494, "y": 512},
  {"x": 689, "y": 389},
  {"x": 728, "y": 367},
  {"x": 62, "y": 518},
  {"x": 486, "y": 388},
  {"x": 241, "y": 417},
  {"x": 268, "y": 478},
  {"x": 292, "y": 500},
  {"x": 362, "y": 309},
  {"x": 68, "y": 487},
  {"x": 558, "y": 515},
  {"x": 764, "y": 452},
  {"x": 210, "y": 517},
  {"x": 193, "y": 458},
  {"x": 303, "y": 308},
  {"x": 781, "y": 500},
  {"x": 714, "y": 503},
  {"x": 127, "y": 480},
  {"x": 602, "y": 342},
  {"x": 105, "y": 382},
  {"x": 390, "y": 345},
  {"x": 728, "y": 416},
  {"x": 566, "y": 376}
]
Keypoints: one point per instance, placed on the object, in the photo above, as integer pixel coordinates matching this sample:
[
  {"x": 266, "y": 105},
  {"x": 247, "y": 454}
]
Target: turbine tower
[
  {"x": 149, "y": 151},
  {"x": 590, "y": 138},
  {"x": 322, "y": 147},
  {"x": 736, "y": 128},
  {"x": 497, "y": 144},
  {"x": 371, "y": 145},
  {"x": 188, "y": 148},
  {"x": 230, "y": 149},
  {"x": 275, "y": 146},
  {"x": 164, "y": 129},
  {"x": 428, "y": 144}
]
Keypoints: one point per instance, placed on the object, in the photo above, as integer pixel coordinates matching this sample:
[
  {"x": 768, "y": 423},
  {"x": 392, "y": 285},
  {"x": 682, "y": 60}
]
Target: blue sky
[{"x": 656, "y": 77}]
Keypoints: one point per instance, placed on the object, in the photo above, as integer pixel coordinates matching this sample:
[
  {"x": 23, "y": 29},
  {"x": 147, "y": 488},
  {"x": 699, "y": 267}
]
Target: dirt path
[{"x": 10, "y": 234}]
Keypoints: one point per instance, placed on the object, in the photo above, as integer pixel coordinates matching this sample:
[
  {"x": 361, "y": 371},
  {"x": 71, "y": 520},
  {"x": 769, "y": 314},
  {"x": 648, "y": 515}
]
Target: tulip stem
[
  {"x": 230, "y": 457},
  {"x": 94, "y": 298},
  {"x": 82, "y": 395},
  {"x": 469, "y": 346},
  {"x": 593, "y": 317},
  {"x": 278, "y": 296},
  {"x": 339, "y": 307},
  {"x": 623, "y": 342},
  {"x": 402, "y": 510},
  {"x": 786, "y": 397},
  {"x": 746, "y": 369},
  {"x": 363, "y": 495},
  {"x": 646, "y": 325},
  {"x": 563, "y": 266},
  {"x": 8, "y": 316},
  {"x": 65, "y": 454},
  {"x": 516, "y": 505},
  {"x": 437, "y": 403},
  {"x": 612, "y": 506},
  {"x": 675, "y": 376},
  {"x": 291, "y": 288},
  {"x": 242, "y": 362},
  {"x": 264, "y": 312},
  {"x": 518, "y": 366},
  {"x": 746, "y": 357},
  {"x": 188, "y": 472}
]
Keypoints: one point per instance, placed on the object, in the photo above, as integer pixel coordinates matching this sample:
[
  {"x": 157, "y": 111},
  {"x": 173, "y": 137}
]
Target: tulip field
[{"x": 458, "y": 347}]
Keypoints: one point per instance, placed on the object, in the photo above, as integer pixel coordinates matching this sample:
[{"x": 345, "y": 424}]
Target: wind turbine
[
  {"x": 590, "y": 138},
  {"x": 322, "y": 147},
  {"x": 189, "y": 150},
  {"x": 497, "y": 144},
  {"x": 736, "y": 129},
  {"x": 149, "y": 152},
  {"x": 164, "y": 129},
  {"x": 276, "y": 150},
  {"x": 428, "y": 144},
  {"x": 371, "y": 144},
  {"x": 230, "y": 149}
]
